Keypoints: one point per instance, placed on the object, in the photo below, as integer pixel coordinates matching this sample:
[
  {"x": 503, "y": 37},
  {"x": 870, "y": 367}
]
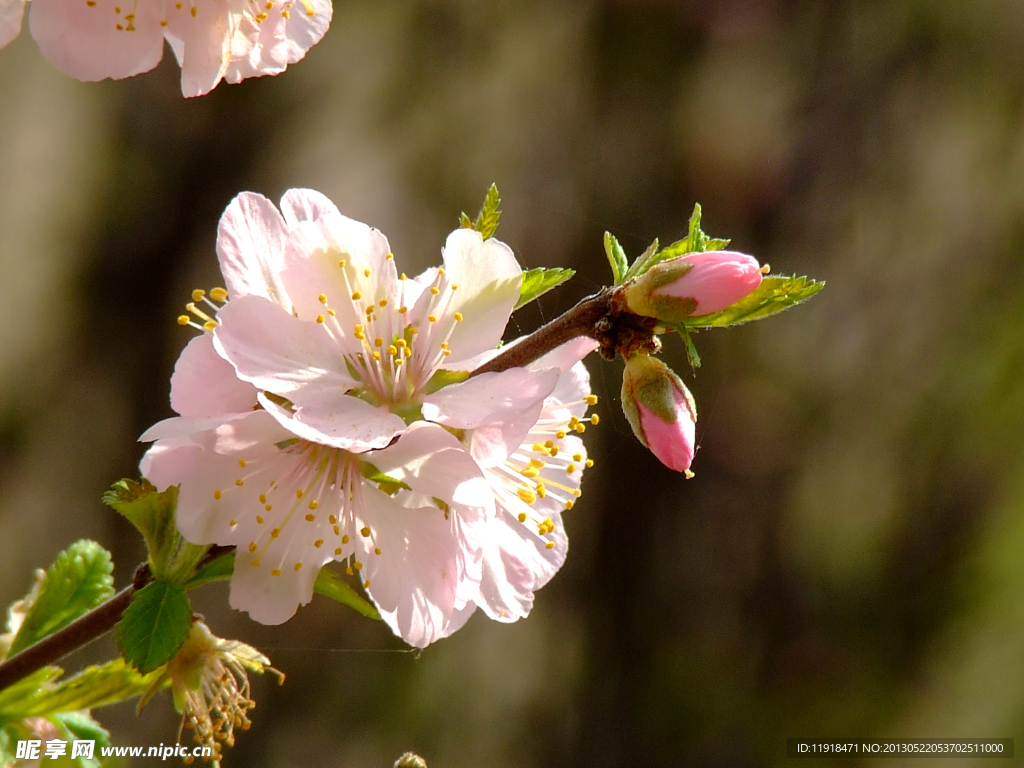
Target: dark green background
[{"x": 848, "y": 561}]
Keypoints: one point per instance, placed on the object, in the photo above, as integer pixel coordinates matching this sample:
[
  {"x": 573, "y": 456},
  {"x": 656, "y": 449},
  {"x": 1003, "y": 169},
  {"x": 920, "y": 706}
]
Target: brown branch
[{"x": 75, "y": 635}]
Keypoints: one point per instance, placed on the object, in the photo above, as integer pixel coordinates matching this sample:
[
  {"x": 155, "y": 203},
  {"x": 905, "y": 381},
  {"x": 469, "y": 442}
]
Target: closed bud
[
  {"x": 695, "y": 284},
  {"x": 661, "y": 411}
]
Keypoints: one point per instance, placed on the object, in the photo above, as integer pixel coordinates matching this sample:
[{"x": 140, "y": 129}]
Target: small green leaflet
[
  {"x": 775, "y": 294},
  {"x": 616, "y": 257},
  {"x": 94, "y": 686},
  {"x": 79, "y": 580},
  {"x": 218, "y": 569},
  {"x": 13, "y": 697},
  {"x": 694, "y": 242},
  {"x": 330, "y": 584},
  {"x": 154, "y": 626},
  {"x": 487, "y": 220},
  {"x": 537, "y": 282},
  {"x": 691, "y": 350}
]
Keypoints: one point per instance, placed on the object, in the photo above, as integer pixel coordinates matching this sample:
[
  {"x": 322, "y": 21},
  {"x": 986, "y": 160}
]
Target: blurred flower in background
[{"x": 97, "y": 39}]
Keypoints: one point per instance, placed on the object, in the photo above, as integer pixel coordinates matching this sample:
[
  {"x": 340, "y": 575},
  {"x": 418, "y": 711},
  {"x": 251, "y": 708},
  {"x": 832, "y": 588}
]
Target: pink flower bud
[
  {"x": 695, "y": 284},
  {"x": 661, "y": 411}
]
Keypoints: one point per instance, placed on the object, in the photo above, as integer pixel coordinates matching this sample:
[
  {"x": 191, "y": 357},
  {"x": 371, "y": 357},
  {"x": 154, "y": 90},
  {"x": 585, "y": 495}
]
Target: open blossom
[
  {"x": 318, "y": 420},
  {"x": 661, "y": 411},
  {"x": 694, "y": 284},
  {"x": 211, "y": 39}
]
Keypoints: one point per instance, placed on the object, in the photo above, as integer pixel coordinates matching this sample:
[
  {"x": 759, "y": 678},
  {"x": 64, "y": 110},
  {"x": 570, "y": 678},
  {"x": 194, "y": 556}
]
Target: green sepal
[
  {"x": 171, "y": 557},
  {"x": 537, "y": 282},
  {"x": 774, "y": 294},
  {"x": 390, "y": 485},
  {"x": 487, "y": 220},
  {"x": 94, "y": 686},
  {"x": 691, "y": 350},
  {"x": 218, "y": 569},
  {"x": 330, "y": 584},
  {"x": 79, "y": 580},
  {"x": 443, "y": 378},
  {"x": 616, "y": 257},
  {"x": 154, "y": 626}
]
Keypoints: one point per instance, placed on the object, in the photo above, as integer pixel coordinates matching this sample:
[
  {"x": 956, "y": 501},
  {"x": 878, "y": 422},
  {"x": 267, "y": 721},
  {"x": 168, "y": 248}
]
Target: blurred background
[{"x": 848, "y": 561}]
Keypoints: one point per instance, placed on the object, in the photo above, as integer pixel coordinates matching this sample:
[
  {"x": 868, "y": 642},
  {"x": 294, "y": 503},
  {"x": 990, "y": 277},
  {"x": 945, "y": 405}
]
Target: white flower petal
[
  {"x": 489, "y": 280},
  {"x": 205, "y": 384},
  {"x": 347, "y": 422},
  {"x": 93, "y": 42},
  {"x": 251, "y": 239},
  {"x": 200, "y": 35},
  {"x": 306, "y": 26},
  {"x": 306, "y": 205},
  {"x": 489, "y": 398},
  {"x": 11, "y": 12},
  {"x": 565, "y": 356},
  {"x": 277, "y": 352}
]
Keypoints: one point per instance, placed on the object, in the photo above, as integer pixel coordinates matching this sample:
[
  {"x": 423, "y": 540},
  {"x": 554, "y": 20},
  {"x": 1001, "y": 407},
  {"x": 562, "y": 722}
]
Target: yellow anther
[
  {"x": 217, "y": 494},
  {"x": 310, "y": 518},
  {"x": 688, "y": 474},
  {"x": 233, "y": 523},
  {"x": 444, "y": 345},
  {"x": 455, "y": 286},
  {"x": 440, "y": 270},
  {"x": 408, "y": 351},
  {"x": 398, "y": 361},
  {"x": 349, "y": 570},
  {"x": 344, "y": 539},
  {"x": 366, "y": 584},
  {"x": 376, "y": 550},
  {"x": 259, "y": 519},
  {"x": 539, "y": 448},
  {"x": 383, "y": 302},
  {"x": 218, "y": 294},
  {"x": 560, "y": 434},
  {"x": 320, "y": 318},
  {"x": 184, "y": 320},
  {"x": 433, "y": 290},
  {"x": 198, "y": 294},
  {"x": 403, "y": 276},
  {"x": 765, "y": 269},
  {"x": 402, "y": 310},
  {"x": 590, "y": 463},
  {"x": 209, "y": 325},
  {"x": 241, "y": 463},
  {"x": 389, "y": 256},
  {"x": 298, "y": 493},
  {"x": 342, "y": 263},
  {"x": 569, "y": 504},
  {"x": 332, "y": 519},
  {"x": 400, "y": 343},
  {"x": 276, "y": 571},
  {"x": 554, "y": 451},
  {"x": 530, "y": 473},
  {"x": 337, "y": 531},
  {"x": 252, "y": 546},
  {"x": 357, "y": 565},
  {"x": 337, "y": 551},
  {"x": 364, "y": 531},
  {"x": 570, "y": 469},
  {"x": 360, "y": 328},
  {"x": 549, "y": 545},
  {"x": 313, "y": 504},
  {"x": 331, "y": 312},
  {"x": 522, "y": 517},
  {"x": 298, "y": 566},
  {"x": 458, "y": 317},
  {"x": 446, "y": 352},
  {"x": 595, "y": 419},
  {"x": 256, "y": 563},
  {"x": 577, "y": 457},
  {"x": 269, "y": 507},
  {"x": 537, "y": 463},
  {"x": 573, "y": 422},
  {"x": 239, "y": 482},
  {"x": 318, "y": 543},
  {"x": 581, "y": 428},
  {"x": 366, "y": 272},
  {"x": 369, "y": 312},
  {"x": 392, "y": 350},
  {"x": 432, "y": 318},
  {"x": 526, "y": 495},
  {"x": 275, "y": 532},
  {"x": 590, "y": 399},
  {"x": 577, "y": 492},
  {"x": 376, "y": 355},
  {"x": 356, "y": 295},
  {"x": 378, "y": 342},
  {"x": 541, "y": 490},
  {"x": 323, "y": 298}
]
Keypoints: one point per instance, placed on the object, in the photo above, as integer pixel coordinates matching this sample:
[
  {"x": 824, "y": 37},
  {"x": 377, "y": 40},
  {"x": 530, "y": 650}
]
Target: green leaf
[
  {"x": 330, "y": 584},
  {"x": 20, "y": 693},
  {"x": 80, "y": 725},
  {"x": 487, "y": 220},
  {"x": 218, "y": 569},
  {"x": 94, "y": 686},
  {"x": 775, "y": 294},
  {"x": 77, "y": 582},
  {"x": 465, "y": 222},
  {"x": 643, "y": 262},
  {"x": 537, "y": 282},
  {"x": 171, "y": 557},
  {"x": 616, "y": 257},
  {"x": 694, "y": 242},
  {"x": 154, "y": 626}
]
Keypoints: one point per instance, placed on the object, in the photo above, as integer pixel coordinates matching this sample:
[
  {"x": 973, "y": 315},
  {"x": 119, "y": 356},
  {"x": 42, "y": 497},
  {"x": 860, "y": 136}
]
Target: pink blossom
[
  {"x": 211, "y": 39},
  {"x": 661, "y": 411},
  {"x": 299, "y": 445},
  {"x": 695, "y": 284}
]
